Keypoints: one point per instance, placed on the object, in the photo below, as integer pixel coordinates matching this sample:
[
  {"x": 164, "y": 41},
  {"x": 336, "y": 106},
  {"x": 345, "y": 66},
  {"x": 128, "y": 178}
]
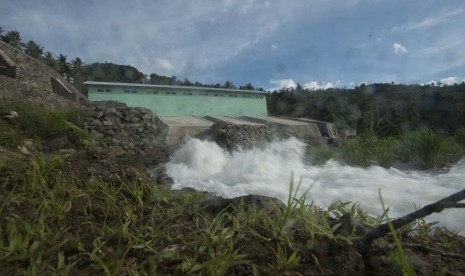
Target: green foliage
[
  {"x": 368, "y": 150},
  {"x": 9, "y": 137},
  {"x": 423, "y": 148},
  {"x": 400, "y": 257},
  {"x": 383, "y": 109},
  {"x": 459, "y": 137},
  {"x": 33, "y": 49},
  {"x": 40, "y": 123},
  {"x": 427, "y": 148},
  {"x": 13, "y": 38}
]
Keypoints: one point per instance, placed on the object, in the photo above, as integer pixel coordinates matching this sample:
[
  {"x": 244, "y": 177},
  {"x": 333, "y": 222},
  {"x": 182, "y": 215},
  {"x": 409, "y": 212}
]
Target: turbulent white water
[{"x": 205, "y": 166}]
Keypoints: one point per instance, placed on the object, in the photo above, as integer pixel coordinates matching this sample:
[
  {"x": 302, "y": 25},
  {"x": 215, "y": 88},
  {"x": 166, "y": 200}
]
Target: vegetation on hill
[{"x": 380, "y": 109}]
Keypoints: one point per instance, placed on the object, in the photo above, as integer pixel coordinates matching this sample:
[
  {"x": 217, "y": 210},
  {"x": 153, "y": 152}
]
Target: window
[
  {"x": 216, "y": 95},
  {"x": 167, "y": 93},
  {"x": 189, "y": 93},
  {"x": 173, "y": 93},
  {"x": 231, "y": 95},
  {"x": 155, "y": 92},
  {"x": 126, "y": 91},
  {"x": 133, "y": 91},
  {"x": 148, "y": 92},
  {"x": 99, "y": 90},
  {"x": 107, "y": 90}
]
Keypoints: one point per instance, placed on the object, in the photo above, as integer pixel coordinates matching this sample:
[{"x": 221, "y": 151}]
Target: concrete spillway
[
  {"x": 326, "y": 129},
  {"x": 232, "y": 120},
  {"x": 299, "y": 129},
  {"x": 175, "y": 129}
]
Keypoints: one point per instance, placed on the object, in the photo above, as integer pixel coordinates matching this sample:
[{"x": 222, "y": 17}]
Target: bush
[
  {"x": 40, "y": 123},
  {"x": 428, "y": 149},
  {"x": 9, "y": 138},
  {"x": 368, "y": 150},
  {"x": 459, "y": 137}
]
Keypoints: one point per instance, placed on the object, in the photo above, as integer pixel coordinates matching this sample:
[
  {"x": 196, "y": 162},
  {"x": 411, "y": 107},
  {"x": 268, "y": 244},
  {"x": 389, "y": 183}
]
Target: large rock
[
  {"x": 258, "y": 202},
  {"x": 233, "y": 136}
]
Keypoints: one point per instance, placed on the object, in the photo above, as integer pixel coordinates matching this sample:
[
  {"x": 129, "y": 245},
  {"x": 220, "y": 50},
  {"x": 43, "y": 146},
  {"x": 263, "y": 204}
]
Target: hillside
[{"x": 33, "y": 83}]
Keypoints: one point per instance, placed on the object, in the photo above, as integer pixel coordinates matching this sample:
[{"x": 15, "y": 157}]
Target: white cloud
[
  {"x": 164, "y": 64},
  {"x": 314, "y": 85},
  {"x": 433, "y": 21},
  {"x": 399, "y": 48},
  {"x": 451, "y": 81},
  {"x": 282, "y": 84},
  {"x": 274, "y": 47},
  {"x": 290, "y": 83},
  {"x": 445, "y": 81}
]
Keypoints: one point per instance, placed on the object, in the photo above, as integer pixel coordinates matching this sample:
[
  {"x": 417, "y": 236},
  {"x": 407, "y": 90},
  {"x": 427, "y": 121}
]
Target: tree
[
  {"x": 63, "y": 66},
  {"x": 14, "y": 39},
  {"x": 49, "y": 60},
  {"x": 247, "y": 86},
  {"x": 187, "y": 82},
  {"x": 76, "y": 70},
  {"x": 33, "y": 49},
  {"x": 229, "y": 84}
]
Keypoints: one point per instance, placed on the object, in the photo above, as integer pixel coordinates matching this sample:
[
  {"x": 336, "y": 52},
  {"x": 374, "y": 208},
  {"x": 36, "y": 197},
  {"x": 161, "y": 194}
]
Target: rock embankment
[
  {"x": 128, "y": 132},
  {"x": 233, "y": 136}
]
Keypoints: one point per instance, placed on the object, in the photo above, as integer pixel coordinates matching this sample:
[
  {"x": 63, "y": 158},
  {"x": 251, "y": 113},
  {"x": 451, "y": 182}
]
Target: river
[{"x": 267, "y": 171}]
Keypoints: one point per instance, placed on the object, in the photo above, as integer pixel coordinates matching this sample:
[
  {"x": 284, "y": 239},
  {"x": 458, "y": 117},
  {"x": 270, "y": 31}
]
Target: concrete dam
[
  {"x": 187, "y": 111},
  {"x": 176, "y": 129}
]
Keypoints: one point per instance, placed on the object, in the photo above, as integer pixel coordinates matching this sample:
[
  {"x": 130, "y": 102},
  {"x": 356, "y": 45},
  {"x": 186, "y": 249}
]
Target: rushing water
[{"x": 268, "y": 171}]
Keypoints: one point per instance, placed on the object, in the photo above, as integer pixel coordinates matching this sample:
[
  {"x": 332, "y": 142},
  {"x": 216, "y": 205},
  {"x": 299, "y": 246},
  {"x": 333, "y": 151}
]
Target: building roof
[{"x": 172, "y": 87}]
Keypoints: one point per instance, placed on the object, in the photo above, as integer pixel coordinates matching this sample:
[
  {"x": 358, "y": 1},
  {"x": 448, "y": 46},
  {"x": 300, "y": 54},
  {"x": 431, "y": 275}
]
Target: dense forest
[{"x": 380, "y": 109}]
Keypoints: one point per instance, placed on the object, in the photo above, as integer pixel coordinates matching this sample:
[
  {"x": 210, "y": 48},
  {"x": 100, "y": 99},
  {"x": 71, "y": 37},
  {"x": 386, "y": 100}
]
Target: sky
[{"x": 269, "y": 43}]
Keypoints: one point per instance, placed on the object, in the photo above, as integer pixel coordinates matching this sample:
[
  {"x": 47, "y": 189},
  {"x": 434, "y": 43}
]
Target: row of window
[
  {"x": 126, "y": 91},
  {"x": 130, "y": 91}
]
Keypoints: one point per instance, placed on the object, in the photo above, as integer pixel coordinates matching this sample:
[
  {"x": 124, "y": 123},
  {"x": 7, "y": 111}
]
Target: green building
[{"x": 168, "y": 100}]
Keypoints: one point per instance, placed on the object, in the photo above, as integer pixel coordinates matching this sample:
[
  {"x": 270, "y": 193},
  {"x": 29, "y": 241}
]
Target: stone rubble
[{"x": 128, "y": 132}]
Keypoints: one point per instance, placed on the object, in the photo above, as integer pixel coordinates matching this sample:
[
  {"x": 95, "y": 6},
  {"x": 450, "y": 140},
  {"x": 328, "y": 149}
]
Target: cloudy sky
[{"x": 270, "y": 43}]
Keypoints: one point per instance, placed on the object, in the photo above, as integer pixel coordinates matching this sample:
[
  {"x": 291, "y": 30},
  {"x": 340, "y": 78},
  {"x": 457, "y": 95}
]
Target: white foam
[{"x": 268, "y": 171}]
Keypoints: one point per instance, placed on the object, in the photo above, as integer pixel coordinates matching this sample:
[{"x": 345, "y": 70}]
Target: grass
[
  {"x": 63, "y": 226},
  {"x": 41, "y": 124}
]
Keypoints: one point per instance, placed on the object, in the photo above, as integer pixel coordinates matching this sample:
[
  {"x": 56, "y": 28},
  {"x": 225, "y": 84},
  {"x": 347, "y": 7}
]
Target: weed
[
  {"x": 284, "y": 262},
  {"x": 400, "y": 257}
]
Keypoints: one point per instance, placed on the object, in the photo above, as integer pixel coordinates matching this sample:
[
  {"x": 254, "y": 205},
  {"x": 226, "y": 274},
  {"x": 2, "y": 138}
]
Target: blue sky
[{"x": 270, "y": 43}]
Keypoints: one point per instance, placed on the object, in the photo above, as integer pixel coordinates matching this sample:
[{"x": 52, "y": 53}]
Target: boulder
[{"x": 267, "y": 204}]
